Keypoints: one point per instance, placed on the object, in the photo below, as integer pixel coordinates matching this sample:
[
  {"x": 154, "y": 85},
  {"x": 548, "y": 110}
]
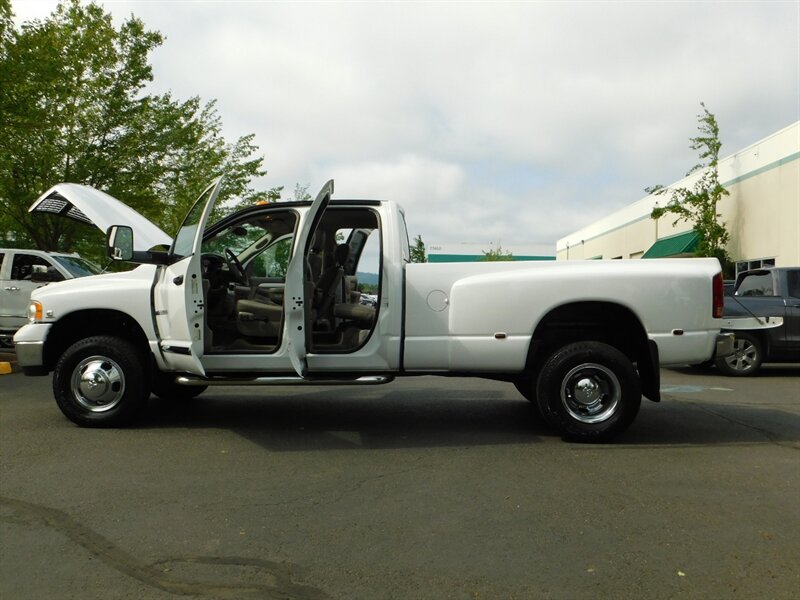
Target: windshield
[{"x": 78, "y": 267}]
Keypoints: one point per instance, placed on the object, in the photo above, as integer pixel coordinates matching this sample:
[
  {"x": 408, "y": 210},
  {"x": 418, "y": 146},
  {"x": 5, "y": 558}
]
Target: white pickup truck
[{"x": 269, "y": 296}]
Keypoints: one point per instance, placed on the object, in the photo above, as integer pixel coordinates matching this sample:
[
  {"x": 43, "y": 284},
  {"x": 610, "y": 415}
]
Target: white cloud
[{"x": 513, "y": 121}]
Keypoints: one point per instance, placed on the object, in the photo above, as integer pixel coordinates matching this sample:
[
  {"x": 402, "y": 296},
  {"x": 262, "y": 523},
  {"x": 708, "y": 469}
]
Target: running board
[{"x": 288, "y": 380}]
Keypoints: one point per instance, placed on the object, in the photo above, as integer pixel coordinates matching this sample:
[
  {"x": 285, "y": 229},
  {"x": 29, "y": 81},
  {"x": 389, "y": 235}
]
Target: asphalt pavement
[{"x": 423, "y": 488}]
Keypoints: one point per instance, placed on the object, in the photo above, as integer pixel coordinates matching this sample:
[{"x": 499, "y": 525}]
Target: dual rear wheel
[{"x": 585, "y": 391}]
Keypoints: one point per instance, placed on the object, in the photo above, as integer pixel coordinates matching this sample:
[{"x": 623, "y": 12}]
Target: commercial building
[{"x": 762, "y": 213}]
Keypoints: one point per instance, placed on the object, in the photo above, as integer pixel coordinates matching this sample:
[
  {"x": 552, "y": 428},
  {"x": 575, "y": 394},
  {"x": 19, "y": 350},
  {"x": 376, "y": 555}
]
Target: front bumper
[
  {"x": 724, "y": 345},
  {"x": 29, "y": 344}
]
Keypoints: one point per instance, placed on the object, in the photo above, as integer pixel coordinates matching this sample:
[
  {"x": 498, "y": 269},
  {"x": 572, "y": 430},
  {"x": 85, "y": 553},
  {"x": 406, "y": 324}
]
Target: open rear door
[
  {"x": 297, "y": 300},
  {"x": 179, "y": 300}
]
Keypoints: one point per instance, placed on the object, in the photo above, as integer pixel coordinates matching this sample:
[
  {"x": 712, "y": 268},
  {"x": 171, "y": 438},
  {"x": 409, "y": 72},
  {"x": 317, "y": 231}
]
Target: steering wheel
[{"x": 235, "y": 267}]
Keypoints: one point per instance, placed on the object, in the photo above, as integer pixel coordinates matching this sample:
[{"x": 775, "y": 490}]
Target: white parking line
[{"x": 692, "y": 389}]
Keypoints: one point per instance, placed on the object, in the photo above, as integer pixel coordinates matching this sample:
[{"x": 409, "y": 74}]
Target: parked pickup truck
[
  {"x": 269, "y": 296},
  {"x": 21, "y": 272},
  {"x": 764, "y": 315}
]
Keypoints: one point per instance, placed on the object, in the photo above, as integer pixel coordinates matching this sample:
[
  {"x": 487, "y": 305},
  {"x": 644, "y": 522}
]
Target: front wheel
[
  {"x": 746, "y": 358},
  {"x": 589, "y": 392},
  {"x": 99, "y": 382}
]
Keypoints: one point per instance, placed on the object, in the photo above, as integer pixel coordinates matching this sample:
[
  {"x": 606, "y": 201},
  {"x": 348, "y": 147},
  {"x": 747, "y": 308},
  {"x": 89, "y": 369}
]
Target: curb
[{"x": 8, "y": 363}]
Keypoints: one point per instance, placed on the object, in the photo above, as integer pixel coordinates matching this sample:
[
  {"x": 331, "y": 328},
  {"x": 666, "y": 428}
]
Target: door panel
[
  {"x": 297, "y": 293},
  {"x": 179, "y": 301},
  {"x": 793, "y": 313}
]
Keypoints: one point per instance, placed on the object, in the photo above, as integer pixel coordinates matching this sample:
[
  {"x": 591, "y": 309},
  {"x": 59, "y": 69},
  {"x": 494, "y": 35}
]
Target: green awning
[{"x": 682, "y": 244}]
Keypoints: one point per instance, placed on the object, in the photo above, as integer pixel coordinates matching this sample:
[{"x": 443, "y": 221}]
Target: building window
[{"x": 747, "y": 265}]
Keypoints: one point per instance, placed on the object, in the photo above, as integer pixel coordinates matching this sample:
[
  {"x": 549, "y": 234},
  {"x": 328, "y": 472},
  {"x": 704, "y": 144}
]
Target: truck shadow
[
  {"x": 336, "y": 420},
  {"x": 342, "y": 418},
  {"x": 697, "y": 422}
]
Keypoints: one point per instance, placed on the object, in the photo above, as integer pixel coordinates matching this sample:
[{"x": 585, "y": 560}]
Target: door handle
[{"x": 12, "y": 289}]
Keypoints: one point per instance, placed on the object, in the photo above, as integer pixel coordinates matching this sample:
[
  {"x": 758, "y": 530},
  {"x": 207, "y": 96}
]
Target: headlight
[{"x": 35, "y": 311}]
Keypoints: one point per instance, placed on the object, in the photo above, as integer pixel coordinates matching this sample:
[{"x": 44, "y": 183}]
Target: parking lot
[{"x": 424, "y": 488}]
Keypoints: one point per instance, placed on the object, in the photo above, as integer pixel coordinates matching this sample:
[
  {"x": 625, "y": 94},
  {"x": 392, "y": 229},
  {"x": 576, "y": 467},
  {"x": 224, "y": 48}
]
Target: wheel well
[
  {"x": 605, "y": 322},
  {"x": 87, "y": 323}
]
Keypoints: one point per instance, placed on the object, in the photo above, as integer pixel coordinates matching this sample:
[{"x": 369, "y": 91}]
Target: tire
[
  {"x": 163, "y": 385},
  {"x": 589, "y": 392},
  {"x": 748, "y": 354},
  {"x": 100, "y": 382}
]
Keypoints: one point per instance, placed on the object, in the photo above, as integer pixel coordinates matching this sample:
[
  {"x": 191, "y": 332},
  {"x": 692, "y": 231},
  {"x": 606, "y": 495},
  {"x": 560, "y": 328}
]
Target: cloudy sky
[{"x": 505, "y": 122}]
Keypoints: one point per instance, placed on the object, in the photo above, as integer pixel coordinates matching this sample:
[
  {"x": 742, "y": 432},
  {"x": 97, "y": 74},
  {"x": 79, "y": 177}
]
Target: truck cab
[{"x": 272, "y": 289}]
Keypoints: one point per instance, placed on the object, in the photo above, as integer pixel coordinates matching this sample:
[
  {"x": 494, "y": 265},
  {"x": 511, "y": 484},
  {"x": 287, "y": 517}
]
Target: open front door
[
  {"x": 297, "y": 299},
  {"x": 179, "y": 300}
]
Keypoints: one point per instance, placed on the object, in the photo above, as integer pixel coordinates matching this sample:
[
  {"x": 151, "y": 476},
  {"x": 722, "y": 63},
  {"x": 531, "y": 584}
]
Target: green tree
[
  {"x": 699, "y": 204},
  {"x": 301, "y": 193},
  {"x": 74, "y": 108},
  {"x": 418, "y": 251},
  {"x": 497, "y": 255}
]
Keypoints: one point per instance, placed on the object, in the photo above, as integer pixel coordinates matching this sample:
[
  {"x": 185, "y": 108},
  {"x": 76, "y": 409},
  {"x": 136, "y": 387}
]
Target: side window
[
  {"x": 2, "y": 258},
  {"x": 793, "y": 281},
  {"x": 273, "y": 262},
  {"x": 756, "y": 285},
  {"x": 23, "y": 266},
  {"x": 369, "y": 263}
]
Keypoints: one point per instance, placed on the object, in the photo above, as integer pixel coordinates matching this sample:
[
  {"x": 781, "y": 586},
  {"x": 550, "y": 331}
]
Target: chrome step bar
[{"x": 283, "y": 380}]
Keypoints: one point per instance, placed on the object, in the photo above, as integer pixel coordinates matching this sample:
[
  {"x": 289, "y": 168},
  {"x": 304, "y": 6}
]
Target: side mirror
[{"x": 119, "y": 242}]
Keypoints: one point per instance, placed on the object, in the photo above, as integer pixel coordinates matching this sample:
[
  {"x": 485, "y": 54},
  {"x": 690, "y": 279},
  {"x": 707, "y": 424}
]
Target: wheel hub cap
[
  {"x": 744, "y": 356},
  {"x": 98, "y": 383},
  {"x": 587, "y": 391},
  {"x": 590, "y": 393}
]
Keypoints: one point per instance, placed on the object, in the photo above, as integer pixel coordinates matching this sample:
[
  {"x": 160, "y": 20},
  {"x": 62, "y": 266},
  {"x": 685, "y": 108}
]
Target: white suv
[{"x": 21, "y": 272}]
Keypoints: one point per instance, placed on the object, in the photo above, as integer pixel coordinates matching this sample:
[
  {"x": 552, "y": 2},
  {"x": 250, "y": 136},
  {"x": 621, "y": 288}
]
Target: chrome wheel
[
  {"x": 590, "y": 393},
  {"x": 98, "y": 383},
  {"x": 101, "y": 381},
  {"x": 745, "y": 356}
]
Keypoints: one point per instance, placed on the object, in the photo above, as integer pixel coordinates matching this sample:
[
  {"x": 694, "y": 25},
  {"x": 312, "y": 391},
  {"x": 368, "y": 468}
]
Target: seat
[
  {"x": 354, "y": 312},
  {"x": 329, "y": 285},
  {"x": 258, "y": 318},
  {"x": 351, "y": 309},
  {"x": 314, "y": 257}
]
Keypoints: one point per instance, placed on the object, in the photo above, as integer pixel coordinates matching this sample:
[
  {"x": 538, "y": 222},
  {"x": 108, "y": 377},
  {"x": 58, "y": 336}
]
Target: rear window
[{"x": 757, "y": 284}]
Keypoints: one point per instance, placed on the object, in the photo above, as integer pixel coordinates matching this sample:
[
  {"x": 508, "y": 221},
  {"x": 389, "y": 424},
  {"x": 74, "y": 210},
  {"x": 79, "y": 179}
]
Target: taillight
[{"x": 719, "y": 296}]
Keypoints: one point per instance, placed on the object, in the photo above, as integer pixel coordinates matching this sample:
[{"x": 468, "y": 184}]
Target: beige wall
[
  {"x": 763, "y": 216},
  {"x": 762, "y": 212}
]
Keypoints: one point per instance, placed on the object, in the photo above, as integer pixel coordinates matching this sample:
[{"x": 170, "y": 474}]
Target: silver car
[{"x": 22, "y": 271}]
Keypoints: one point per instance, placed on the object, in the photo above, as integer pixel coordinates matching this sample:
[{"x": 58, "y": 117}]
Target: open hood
[{"x": 93, "y": 207}]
